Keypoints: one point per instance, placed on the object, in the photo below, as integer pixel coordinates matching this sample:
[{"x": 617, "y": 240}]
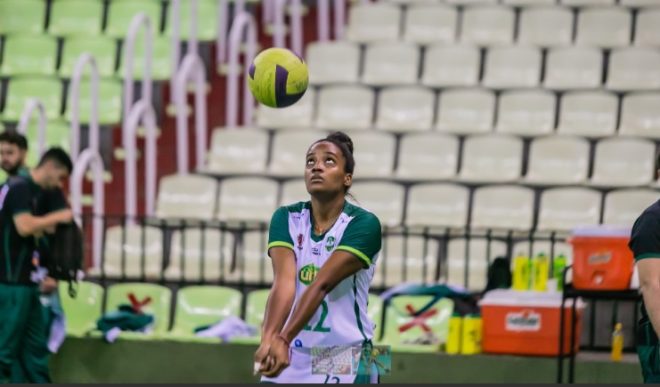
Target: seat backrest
[
  {"x": 546, "y": 25},
  {"x": 637, "y": 3},
  {"x": 430, "y": 23},
  {"x": 647, "y": 30},
  {"x": 159, "y": 307},
  {"x": 29, "y": 55},
  {"x": 289, "y": 150},
  {"x": 427, "y": 156},
  {"x": 640, "y": 115},
  {"x": 345, "y": 107},
  {"x": 252, "y": 263},
  {"x": 562, "y": 209},
  {"x": 511, "y": 67},
  {"x": 369, "y": 23},
  {"x": 109, "y": 91},
  {"x": 504, "y": 206},
  {"x": 487, "y": 25},
  {"x": 374, "y": 153},
  {"x": 391, "y": 64},
  {"x": 526, "y": 112},
  {"x": 161, "y": 63},
  {"x": 495, "y": 157},
  {"x": 134, "y": 243},
  {"x": 195, "y": 259},
  {"x": 474, "y": 256},
  {"x": 570, "y": 68},
  {"x": 187, "y": 197},
  {"x": 400, "y": 328},
  {"x": 247, "y": 199},
  {"x": 581, "y": 3},
  {"x": 405, "y": 109},
  {"x": 102, "y": 48},
  {"x": 84, "y": 310},
  {"x": 382, "y": 198},
  {"x": 57, "y": 134},
  {"x": 434, "y": 204},
  {"x": 466, "y": 111},
  {"x": 558, "y": 160},
  {"x": 76, "y": 17},
  {"x": 623, "y": 207},
  {"x": 121, "y": 13},
  {"x": 333, "y": 62},
  {"x": 624, "y": 162},
  {"x": 375, "y": 313},
  {"x": 405, "y": 259},
  {"x": 238, "y": 151},
  {"x": 294, "y": 191},
  {"x": 634, "y": 69},
  {"x": 588, "y": 114},
  {"x": 207, "y": 20},
  {"x": 199, "y": 306},
  {"x": 451, "y": 65},
  {"x": 22, "y": 16},
  {"x": 19, "y": 90},
  {"x": 255, "y": 307},
  {"x": 604, "y": 27}
]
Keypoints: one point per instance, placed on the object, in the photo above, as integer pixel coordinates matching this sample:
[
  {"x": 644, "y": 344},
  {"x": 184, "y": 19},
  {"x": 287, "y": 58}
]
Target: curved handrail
[
  {"x": 192, "y": 66},
  {"x": 224, "y": 26},
  {"x": 175, "y": 56},
  {"x": 30, "y": 105},
  {"x": 296, "y": 25},
  {"x": 241, "y": 23},
  {"x": 74, "y": 94},
  {"x": 340, "y": 18},
  {"x": 128, "y": 56}
]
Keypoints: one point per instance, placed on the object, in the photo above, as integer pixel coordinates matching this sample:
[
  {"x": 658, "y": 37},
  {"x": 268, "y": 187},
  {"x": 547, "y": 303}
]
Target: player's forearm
[
  {"x": 305, "y": 309},
  {"x": 30, "y": 225},
  {"x": 651, "y": 294},
  {"x": 278, "y": 308}
]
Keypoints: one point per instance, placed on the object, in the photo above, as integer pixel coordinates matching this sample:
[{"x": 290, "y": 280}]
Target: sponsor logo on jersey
[
  {"x": 300, "y": 241},
  {"x": 316, "y": 251},
  {"x": 308, "y": 273},
  {"x": 330, "y": 243}
]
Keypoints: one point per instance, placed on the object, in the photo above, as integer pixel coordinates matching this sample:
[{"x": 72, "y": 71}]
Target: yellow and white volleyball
[{"x": 278, "y": 77}]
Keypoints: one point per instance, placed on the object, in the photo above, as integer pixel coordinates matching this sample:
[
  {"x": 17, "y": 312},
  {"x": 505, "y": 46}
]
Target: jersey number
[
  {"x": 319, "y": 326},
  {"x": 329, "y": 380}
]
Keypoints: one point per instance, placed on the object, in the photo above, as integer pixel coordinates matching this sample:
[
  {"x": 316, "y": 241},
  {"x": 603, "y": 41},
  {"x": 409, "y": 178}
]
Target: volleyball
[{"x": 278, "y": 77}]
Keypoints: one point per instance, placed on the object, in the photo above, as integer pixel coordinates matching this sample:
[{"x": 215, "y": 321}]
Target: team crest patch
[
  {"x": 308, "y": 273},
  {"x": 330, "y": 243}
]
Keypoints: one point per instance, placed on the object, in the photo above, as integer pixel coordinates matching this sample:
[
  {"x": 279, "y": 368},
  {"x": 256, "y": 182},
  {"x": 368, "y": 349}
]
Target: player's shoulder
[
  {"x": 361, "y": 214},
  {"x": 650, "y": 214},
  {"x": 295, "y": 208}
]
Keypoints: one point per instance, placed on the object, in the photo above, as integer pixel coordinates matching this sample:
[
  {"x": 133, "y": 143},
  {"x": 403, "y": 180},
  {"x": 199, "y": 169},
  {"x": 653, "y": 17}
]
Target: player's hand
[
  {"x": 261, "y": 355},
  {"x": 48, "y": 285},
  {"x": 278, "y": 357}
]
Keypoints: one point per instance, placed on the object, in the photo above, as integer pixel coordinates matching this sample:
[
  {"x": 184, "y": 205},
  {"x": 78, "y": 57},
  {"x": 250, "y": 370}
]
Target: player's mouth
[{"x": 316, "y": 179}]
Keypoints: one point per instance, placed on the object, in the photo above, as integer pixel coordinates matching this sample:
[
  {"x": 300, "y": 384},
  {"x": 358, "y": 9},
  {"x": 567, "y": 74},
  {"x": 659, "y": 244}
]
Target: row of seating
[
  {"x": 606, "y": 26},
  {"x": 519, "y": 3}
]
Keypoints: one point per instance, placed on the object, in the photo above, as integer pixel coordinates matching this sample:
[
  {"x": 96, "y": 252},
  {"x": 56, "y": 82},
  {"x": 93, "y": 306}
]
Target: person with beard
[{"x": 13, "y": 150}]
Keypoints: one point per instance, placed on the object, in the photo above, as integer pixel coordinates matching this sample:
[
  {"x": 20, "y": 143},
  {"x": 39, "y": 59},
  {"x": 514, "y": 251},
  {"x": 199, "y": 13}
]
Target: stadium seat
[
  {"x": 161, "y": 62},
  {"x": 405, "y": 109},
  {"x": 129, "y": 243},
  {"x": 437, "y": 205},
  {"x": 387, "y": 64},
  {"x": 588, "y": 114},
  {"x": 647, "y": 27},
  {"x": 503, "y": 207},
  {"x": 466, "y": 111},
  {"x": 207, "y": 20},
  {"x": 546, "y": 26},
  {"x": 333, "y": 62},
  {"x": 101, "y": 47},
  {"x": 640, "y": 115},
  {"x": 121, "y": 13},
  {"x": 375, "y": 313},
  {"x": 491, "y": 158},
  {"x": 623, "y": 162},
  {"x": 638, "y": 3},
  {"x": 29, "y": 55},
  {"x": 384, "y": 199},
  {"x": 82, "y": 311},
  {"x": 520, "y": 3},
  {"x": 606, "y": 27},
  {"x": 406, "y": 259},
  {"x": 451, "y": 66},
  {"x": 238, "y": 150},
  {"x": 480, "y": 254},
  {"x": 345, "y": 107},
  {"x": 512, "y": 67},
  {"x": 634, "y": 69},
  {"x": 427, "y": 156},
  {"x": 557, "y": 160},
  {"x": 562, "y": 209},
  {"x": 584, "y": 3},
  {"x": 159, "y": 306},
  {"x": 251, "y": 263},
  {"x": 110, "y": 98},
  {"x": 190, "y": 262},
  {"x": 76, "y": 17},
  {"x": 369, "y": 23},
  {"x": 487, "y": 25},
  {"x": 255, "y": 307},
  {"x": 247, "y": 199},
  {"x": 471, "y": 2},
  {"x": 190, "y": 197},
  {"x": 202, "y": 306},
  {"x": 289, "y": 151},
  {"x": 294, "y": 191},
  {"x": 623, "y": 207},
  {"x": 430, "y": 23},
  {"x": 526, "y": 112},
  {"x": 296, "y": 116},
  {"x": 374, "y": 154},
  {"x": 46, "y": 90},
  {"x": 545, "y": 247},
  {"x": 57, "y": 134},
  {"x": 574, "y": 68},
  {"x": 412, "y": 2},
  {"x": 22, "y": 16}
]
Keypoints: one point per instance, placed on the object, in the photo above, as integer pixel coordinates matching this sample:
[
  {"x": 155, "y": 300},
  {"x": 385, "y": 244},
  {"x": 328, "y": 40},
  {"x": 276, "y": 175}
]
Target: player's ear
[{"x": 348, "y": 180}]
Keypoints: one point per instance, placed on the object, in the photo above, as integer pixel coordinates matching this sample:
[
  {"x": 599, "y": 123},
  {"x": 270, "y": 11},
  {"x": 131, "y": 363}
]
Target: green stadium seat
[
  {"x": 76, "y": 17},
  {"x": 159, "y": 306},
  {"x": 199, "y": 306},
  {"x": 47, "y": 90},
  {"x": 254, "y": 314},
  {"x": 29, "y": 55},
  {"x": 110, "y": 94},
  {"x": 161, "y": 64},
  {"x": 81, "y": 312},
  {"x": 375, "y": 312},
  {"x": 121, "y": 12},
  {"x": 102, "y": 48},
  {"x": 207, "y": 20},
  {"x": 57, "y": 134},
  {"x": 27, "y": 16}
]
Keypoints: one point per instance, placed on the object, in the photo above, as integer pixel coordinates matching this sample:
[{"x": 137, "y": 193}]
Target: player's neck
[{"x": 325, "y": 211}]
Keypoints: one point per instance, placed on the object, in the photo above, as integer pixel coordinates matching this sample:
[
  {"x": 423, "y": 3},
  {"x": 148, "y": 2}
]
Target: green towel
[{"x": 125, "y": 319}]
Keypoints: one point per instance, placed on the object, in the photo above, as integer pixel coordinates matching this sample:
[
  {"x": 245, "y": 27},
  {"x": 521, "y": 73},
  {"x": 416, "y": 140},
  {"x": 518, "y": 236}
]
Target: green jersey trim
[
  {"x": 280, "y": 244},
  {"x": 360, "y": 255},
  {"x": 647, "y": 255},
  {"x": 356, "y": 307}
]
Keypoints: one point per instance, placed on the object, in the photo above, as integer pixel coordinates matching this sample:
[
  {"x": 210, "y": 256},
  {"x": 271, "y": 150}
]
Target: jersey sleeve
[
  {"x": 645, "y": 237},
  {"x": 362, "y": 238},
  {"x": 278, "y": 233},
  {"x": 18, "y": 199},
  {"x": 56, "y": 200}
]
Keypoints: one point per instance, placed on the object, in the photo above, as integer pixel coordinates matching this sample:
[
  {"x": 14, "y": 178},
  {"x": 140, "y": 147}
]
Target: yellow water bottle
[
  {"x": 520, "y": 279},
  {"x": 454, "y": 336},
  {"x": 471, "y": 338},
  {"x": 540, "y": 271},
  {"x": 617, "y": 342}
]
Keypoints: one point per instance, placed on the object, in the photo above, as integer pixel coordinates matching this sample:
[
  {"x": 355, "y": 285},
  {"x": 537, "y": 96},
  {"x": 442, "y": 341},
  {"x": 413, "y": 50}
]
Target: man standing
[
  {"x": 23, "y": 334},
  {"x": 13, "y": 150}
]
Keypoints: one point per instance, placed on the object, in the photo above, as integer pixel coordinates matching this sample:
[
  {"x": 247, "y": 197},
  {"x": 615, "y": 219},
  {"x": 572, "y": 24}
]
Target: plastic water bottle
[
  {"x": 454, "y": 337},
  {"x": 558, "y": 267},
  {"x": 540, "y": 271},
  {"x": 617, "y": 343},
  {"x": 521, "y": 269}
]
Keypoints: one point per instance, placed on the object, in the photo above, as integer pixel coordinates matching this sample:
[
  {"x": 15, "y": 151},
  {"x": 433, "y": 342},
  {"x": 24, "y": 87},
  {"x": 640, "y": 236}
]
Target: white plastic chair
[
  {"x": 606, "y": 27},
  {"x": 451, "y": 66},
  {"x": 487, "y": 25},
  {"x": 546, "y": 26},
  {"x": 405, "y": 109},
  {"x": 296, "y": 116},
  {"x": 437, "y": 205},
  {"x": 623, "y": 207},
  {"x": 588, "y": 114},
  {"x": 526, "y": 112},
  {"x": 238, "y": 151},
  {"x": 387, "y": 64},
  {"x": 640, "y": 115},
  {"x": 186, "y": 197},
  {"x": 376, "y": 22},
  {"x": 430, "y": 23},
  {"x": 384, "y": 199},
  {"x": 556, "y": 160},
  {"x": 622, "y": 162},
  {"x": 491, "y": 158},
  {"x": 634, "y": 69},
  {"x": 427, "y": 156},
  {"x": 574, "y": 68},
  {"x": 506, "y": 207},
  {"x": 247, "y": 199},
  {"x": 562, "y": 209},
  {"x": 512, "y": 67},
  {"x": 333, "y": 62},
  {"x": 345, "y": 107},
  {"x": 466, "y": 111}
]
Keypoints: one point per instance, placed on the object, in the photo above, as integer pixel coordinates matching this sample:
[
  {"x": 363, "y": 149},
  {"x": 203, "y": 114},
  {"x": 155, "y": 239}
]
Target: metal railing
[
  {"x": 140, "y": 20},
  {"x": 279, "y": 28},
  {"x": 31, "y": 105},
  {"x": 323, "y": 19},
  {"x": 244, "y": 29},
  {"x": 85, "y": 59}
]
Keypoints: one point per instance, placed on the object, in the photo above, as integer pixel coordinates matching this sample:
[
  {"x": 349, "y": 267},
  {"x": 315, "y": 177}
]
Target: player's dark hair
[
  {"x": 58, "y": 156},
  {"x": 345, "y": 144},
  {"x": 14, "y": 138}
]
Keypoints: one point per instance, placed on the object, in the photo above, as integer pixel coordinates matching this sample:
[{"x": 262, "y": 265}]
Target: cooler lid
[
  {"x": 601, "y": 231},
  {"x": 508, "y": 297}
]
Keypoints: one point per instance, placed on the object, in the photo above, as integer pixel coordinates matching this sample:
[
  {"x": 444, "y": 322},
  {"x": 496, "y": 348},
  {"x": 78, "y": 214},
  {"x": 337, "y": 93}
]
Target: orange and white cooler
[{"x": 526, "y": 323}]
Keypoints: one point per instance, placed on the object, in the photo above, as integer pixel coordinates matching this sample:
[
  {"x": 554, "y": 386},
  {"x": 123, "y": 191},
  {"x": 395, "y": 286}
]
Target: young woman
[{"x": 323, "y": 253}]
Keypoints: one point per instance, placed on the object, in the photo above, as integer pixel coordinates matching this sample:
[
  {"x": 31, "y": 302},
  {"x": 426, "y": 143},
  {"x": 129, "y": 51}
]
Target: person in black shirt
[
  {"x": 13, "y": 150},
  {"x": 23, "y": 221}
]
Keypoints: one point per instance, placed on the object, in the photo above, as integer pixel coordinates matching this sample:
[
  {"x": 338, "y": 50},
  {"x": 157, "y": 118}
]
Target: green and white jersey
[{"x": 342, "y": 317}]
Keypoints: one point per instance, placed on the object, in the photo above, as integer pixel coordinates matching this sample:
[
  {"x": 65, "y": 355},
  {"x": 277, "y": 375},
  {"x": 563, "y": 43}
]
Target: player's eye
[
  {"x": 310, "y": 162},
  {"x": 330, "y": 161}
]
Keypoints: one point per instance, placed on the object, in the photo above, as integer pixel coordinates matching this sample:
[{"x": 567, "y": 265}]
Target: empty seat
[
  {"x": 252, "y": 264},
  {"x": 47, "y": 90},
  {"x": 466, "y": 111},
  {"x": 255, "y": 307},
  {"x": 296, "y": 116},
  {"x": 391, "y": 64},
  {"x": 374, "y": 22},
  {"x": 604, "y": 27},
  {"x": 102, "y": 48},
  {"x": 345, "y": 107},
  {"x": 634, "y": 69},
  {"x": 205, "y": 305},
  {"x": 582, "y": 3},
  {"x": 29, "y": 55},
  {"x": 623, "y": 207},
  {"x": 382, "y": 198},
  {"x": 289, "y": 150},
  {"x": 471, "y": 2},
  {"x": 109, "y": 92},
  {"x": 161, "y": 61},
  {"x": 249, "y": 199},
  {"x": 238, "y": 151},
  {"x": 121, "y": 13},
  {"x": 427, "y": 156},
  {"x": 76, "y": 17},
  {"x": 473, "y": 256},
  {"x": 623, "y": 162},
  {"x": 199, "y": 255},
  {"x": 333, "y": 62},
  {"x": 487, "y": 25},
  {"x": 437, "y": 205},
  {"x": 491, "y": 158},
  {"x": 430, "y": 23},
  {"x": 526, "y": 112},
  {"x": 128, "y": 249},
  {"x": 22, "y": 16},
  {"x": 407, "y": 259},
  {"x": 640, "y": 115},
  {"x": 562, "y": 209},
  {"x": 638, "y": 3},
  {"x": 546, "y": 26},
  {"x": 588, "y": 114},
  {"x": 84, "y": 310},
  {"x": 186, "y": 197},
  {"x": 57, "y": 134},
  {"x": 519, "y": 3},
  {"x": 159, "y": 306},
  {"x": 206, "y": 21},
  {"x": 503, "y": 207},
  {"x": 647, "y": 27},
  {"x": 405, "y": 109},
  {"x": 448, "y": 66},
  {"x": 558, "y": 160},
  {"x": 294, "y": 191},
  {"x": 511, "y": 67},
  {"x": 574, "y": 68},
  {"x": 374, "y": 154}
]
